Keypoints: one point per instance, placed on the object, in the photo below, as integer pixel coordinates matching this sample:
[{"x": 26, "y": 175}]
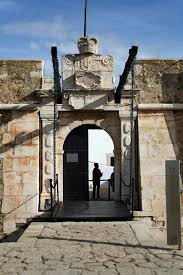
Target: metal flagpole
[{"x": 85, "y": 18}]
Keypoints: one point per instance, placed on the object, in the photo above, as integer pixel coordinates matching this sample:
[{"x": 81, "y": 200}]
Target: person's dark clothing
[
  {"x": 112, "y": 181},
  {"x": 96, "y": 181}
]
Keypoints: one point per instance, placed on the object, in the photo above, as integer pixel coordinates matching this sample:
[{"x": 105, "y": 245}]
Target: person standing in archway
[{"x": 96, "y": 180}]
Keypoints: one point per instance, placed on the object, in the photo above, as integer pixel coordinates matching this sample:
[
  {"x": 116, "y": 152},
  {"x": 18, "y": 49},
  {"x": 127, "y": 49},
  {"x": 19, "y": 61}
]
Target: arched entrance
[{"x": 75, "y": 164}]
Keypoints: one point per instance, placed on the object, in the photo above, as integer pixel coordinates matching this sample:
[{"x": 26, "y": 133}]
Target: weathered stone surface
[
  {"x": 159, "y": 81},
  {"x": 87, "y": 72},
  {"x": 21, "y": 166},
  {"x": 19, "y": 80},
  {"x": 1, "y": 196},
  {"x": 87, "y": 45},
  {"x": 77, "y": 248},
  {"x": 159, "y": 140}
]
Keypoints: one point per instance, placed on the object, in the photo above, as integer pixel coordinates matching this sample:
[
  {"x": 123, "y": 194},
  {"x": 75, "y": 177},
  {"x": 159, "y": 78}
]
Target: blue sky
[{"x": 28, "y": 28}]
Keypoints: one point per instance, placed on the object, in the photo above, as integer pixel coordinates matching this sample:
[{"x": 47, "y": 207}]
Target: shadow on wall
[{"x": 172, "y": 92}]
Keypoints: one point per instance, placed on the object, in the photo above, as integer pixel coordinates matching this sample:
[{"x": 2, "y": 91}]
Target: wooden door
[{"x": 75, "y": 167}]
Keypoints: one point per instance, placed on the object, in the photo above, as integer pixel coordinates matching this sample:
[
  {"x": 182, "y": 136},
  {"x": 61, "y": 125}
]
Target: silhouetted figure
[
  {"x": 96, "y": 180},
  {"x": 112, "y": 181}
]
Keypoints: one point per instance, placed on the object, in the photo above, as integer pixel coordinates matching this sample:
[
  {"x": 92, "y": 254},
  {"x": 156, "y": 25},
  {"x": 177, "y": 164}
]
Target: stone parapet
[
  {"x": 159, "y": 81},
  {"x": 160, "y": 107},
  {"x": 19, "y": 79}
]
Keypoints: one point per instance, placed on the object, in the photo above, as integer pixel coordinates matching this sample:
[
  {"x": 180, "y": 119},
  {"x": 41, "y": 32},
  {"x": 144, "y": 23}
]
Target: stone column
[
  {"x": 125, "y": 118},
  {"x": 60, "y": 154},
  {"x": 47, "y": 127},
  {"x": 117, "y": 169}
]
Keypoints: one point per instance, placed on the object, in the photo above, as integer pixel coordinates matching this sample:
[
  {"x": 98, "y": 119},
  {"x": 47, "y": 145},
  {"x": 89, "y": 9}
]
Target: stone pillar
[
  {"x": 60, "y": 158},
  {"x": 125, "y": 118},
  {"x": 1, "y": 197},
  {"x": 47, "y": 127},
  {"x": 117, "y": 169}
]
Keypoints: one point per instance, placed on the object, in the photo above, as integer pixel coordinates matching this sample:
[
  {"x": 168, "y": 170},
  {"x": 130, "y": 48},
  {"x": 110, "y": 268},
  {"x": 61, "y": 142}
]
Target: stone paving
[{"x": 90, "y": 248}]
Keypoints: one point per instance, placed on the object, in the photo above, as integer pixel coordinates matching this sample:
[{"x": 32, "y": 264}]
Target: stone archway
[{"x": 68, "y": 122}]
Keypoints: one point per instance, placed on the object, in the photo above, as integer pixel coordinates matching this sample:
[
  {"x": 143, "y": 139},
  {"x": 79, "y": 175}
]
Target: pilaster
[
  {"x": 47, "y": 128},
  {"x": 125, "y": 117}
]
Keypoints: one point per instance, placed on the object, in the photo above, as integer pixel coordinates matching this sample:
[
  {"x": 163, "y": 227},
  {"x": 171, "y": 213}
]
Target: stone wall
[
  {"x": 19, "y": 148},
  {"x": 160, "y": 139},
  {"x": 159, "y": 81},
  {"x": 19, "y": 80},
  {"x": 1, "y": 197}
]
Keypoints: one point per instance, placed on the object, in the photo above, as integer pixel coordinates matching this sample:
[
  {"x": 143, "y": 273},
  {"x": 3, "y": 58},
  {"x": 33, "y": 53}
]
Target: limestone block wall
[
  {"x": 1, "y": 196},
  {"x": 159, "y": 81},
  {"x": 19, "y": 80},
  {"x": 159, "y": 140},
  {"x": 19, "y": 150}
]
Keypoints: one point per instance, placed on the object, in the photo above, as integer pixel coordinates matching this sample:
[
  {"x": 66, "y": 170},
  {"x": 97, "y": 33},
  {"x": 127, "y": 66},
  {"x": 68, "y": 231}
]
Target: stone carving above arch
[
  {"x": 88, "y": 80},
  {"x": 87, "y": 45},
  {"x": 88, "y": 63}
]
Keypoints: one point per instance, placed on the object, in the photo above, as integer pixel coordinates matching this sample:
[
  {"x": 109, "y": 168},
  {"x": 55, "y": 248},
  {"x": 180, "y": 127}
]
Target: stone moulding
[
  {"x": 160, "y": 107},
  {"x": 143, "y": 107},
  {"x": 19, "y": 107}
]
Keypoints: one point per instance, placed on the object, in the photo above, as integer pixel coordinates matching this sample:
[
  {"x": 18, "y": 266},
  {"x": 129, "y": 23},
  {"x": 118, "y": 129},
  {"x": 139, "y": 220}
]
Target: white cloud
[
  {"x": 41, "y": 29},
  {"x": 4, "y": 4},
  {"x": 112, "y": 45},
  {"x": 34, "y": 46},
  {"x": 48, "y": 68},
  {"x": 64, "y": 47}
]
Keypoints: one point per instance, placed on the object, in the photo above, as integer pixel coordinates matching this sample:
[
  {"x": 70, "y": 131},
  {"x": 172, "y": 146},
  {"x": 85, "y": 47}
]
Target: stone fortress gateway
[{"x": 26, "y": 133}]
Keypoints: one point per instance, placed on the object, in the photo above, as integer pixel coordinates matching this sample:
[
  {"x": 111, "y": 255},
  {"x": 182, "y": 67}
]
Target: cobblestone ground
[{"x": 89, "y": 248}]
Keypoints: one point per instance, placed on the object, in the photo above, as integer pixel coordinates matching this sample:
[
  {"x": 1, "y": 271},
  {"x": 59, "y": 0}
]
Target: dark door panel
[{"x": 76, "y": 165}]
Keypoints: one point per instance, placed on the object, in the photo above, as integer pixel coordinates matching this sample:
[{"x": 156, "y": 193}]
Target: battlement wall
[
  {"x": 19, "y": 79},
  {"x": 159, "y": 81}
]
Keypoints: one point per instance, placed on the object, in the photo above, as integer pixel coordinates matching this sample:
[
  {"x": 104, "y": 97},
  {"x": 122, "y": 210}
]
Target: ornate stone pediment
[{"x": 87, "y": 72}]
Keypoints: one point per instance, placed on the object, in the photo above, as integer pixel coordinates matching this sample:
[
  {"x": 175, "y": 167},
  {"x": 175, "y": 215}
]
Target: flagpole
[{"x": 85, "y": 18}]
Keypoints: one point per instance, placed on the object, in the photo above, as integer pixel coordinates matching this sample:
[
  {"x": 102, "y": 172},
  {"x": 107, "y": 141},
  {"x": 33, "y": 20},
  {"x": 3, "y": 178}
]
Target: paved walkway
[{"x": 90, "y": 248}]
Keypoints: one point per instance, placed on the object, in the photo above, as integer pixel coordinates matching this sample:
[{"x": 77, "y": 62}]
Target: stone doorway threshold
[{"x": 92, "y": 211}]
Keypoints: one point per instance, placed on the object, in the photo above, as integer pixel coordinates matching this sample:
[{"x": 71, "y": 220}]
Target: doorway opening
[
  {"x": 101, "y": 151},
  {"x": 84, "y": 146}
]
